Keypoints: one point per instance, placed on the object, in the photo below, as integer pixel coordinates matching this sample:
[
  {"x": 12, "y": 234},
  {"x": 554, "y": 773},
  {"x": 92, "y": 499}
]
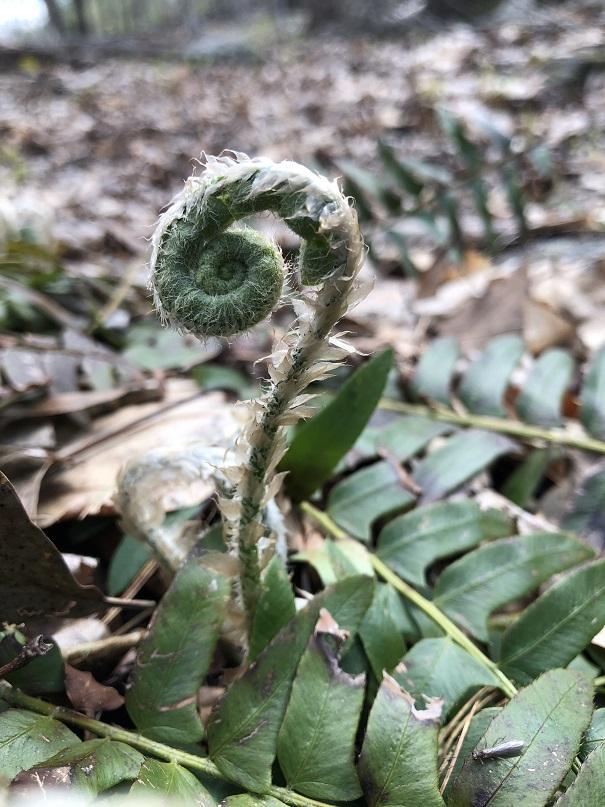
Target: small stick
[
  {"x": 102, "y": 647},
  {"x": 35, "y": 648},
  {"x": 463, "y": 733}
]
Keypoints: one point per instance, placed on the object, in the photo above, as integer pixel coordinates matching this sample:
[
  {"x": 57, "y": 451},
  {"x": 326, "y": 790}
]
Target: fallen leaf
[
  {"x": 87, "y": 694},
  {"x": 85, "y": 481}
]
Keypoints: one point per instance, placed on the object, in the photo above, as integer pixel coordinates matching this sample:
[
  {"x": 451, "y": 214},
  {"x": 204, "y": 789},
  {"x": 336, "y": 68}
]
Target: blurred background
[{"x": 469, "y": 132}]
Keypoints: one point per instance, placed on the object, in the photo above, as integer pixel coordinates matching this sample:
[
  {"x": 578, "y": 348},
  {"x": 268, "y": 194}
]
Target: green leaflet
[
  {"x": 461, "y": 458},
  {"x": 380, "y": 633},
  {"x": 398, "y": 761},
  {"x": 169, "y": 779},
  {"x": 541, "y": 397},
  {"x": 595, "y": 733},
  {"x": 558, "y": 625},
  {"x": 588, "y": 789},
  {"x": 315, "y": 747},
  {"x": 484, "y": 385},
  {"x": 549, "y": 716},
  {"x": 174, "y": 658},
  {"x": 243, "y": 729},
  {"x": 439, "y": 668},
  {"x": 27, "y": 739},
  {"x": 406, "y": 436},
  {"x": 275, "y": 606},
  {"x": 434, "y": 372},
  {"x": 357, "y": 501},
  {"x": 411, "y": 542},
  {"x": 92, "y": 766},
  {"x": 321, "y": 443},
  {"x": 592, "y": 412},
  {"x": 474, "y": 586}
]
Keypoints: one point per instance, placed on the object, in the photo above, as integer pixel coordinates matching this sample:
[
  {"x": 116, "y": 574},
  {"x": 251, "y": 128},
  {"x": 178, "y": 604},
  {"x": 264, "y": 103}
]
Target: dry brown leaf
[
  {"x": 87, "y": 694},
  {"x": 543, "y": 328},
  {"x": 86, "y": 480}
]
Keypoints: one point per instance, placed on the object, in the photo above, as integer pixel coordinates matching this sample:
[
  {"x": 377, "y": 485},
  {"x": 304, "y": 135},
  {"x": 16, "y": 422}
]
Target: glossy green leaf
[
  {"x": 27, "y": 739},
  {"x": 461, "y": 458},
  {"x": 243, "y": 729},
  {"x": 549, "y": 716},
  {"x": 128, "y": 559},
  {"x": 406, "y": 436},
  {"x": 439, "y": 668},
  {"x": 558, "y": 625},
  {"x": 174, "y": 658},
  {"x": 592, "y": 400},
  {"x": 595, "y": 733},
  {"x": 435, "y": 370},
  {"x": 91, "y": 767},
  {"x": 484, "y": 384},
  {"x": 361, "y": 498},
  {"x": 411, "y": 542},
  {"x": 541, "y": 397},
  {"x": 275, "y": 606},
  {"x": 398, "y": 761},
  {"x": 586, "y": 515},
  {"x": 380, "y": 633},
  {"x": 315, "y": 747},
  {"x": 473, "y": 587},
  {"x": 167, "y": 779},
  {"x": 321, "y": 443},
  {"x": 588, "y": 789}
]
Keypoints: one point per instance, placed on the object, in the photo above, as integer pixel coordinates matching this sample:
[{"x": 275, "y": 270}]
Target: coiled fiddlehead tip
[
  {"x": 219, "y": 287},
  {"x": 213, "y": 280}
]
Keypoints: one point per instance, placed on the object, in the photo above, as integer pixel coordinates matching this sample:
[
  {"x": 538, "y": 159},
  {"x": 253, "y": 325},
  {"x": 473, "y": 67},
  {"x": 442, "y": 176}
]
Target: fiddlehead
[{"x": 214, "y": 281}]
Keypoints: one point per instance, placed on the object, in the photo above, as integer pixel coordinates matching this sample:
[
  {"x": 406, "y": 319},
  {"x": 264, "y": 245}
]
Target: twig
[
  {"x": 35, "y": 648},
  {"x": 15, "y": 697},
  {"x": 514, "y": 428},
  {"x": 143, "y": 575},
  {"x": 456, "y": 753},
  {"x": 101, "y": 647},
  {"x": 429, "y": 608}
]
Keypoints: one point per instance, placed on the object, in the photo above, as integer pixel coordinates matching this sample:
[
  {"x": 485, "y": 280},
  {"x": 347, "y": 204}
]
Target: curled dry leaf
[{"x": 87, "y": 694}]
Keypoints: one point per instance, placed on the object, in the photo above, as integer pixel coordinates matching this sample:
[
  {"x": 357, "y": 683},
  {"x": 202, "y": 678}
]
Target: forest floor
[{"x": 90, "y": 154}]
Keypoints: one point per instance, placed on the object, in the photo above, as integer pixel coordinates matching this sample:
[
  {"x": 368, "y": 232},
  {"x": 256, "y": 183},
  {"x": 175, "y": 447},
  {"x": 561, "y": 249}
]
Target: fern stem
[
  {"x": 410, "y": 593},
  {"x": 211, "y": 279},
  {"x": 14, "y": 697},
  {"x": 514, "y": 428}
]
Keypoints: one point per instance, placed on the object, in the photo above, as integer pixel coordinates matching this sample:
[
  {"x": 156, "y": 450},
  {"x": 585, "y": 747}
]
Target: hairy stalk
[
  {"x": 15, "y": 697},
  {"x": 410, "y": 593},
  {"x": 514, "y": 428},
  {"x": 210, "y": 279}
]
